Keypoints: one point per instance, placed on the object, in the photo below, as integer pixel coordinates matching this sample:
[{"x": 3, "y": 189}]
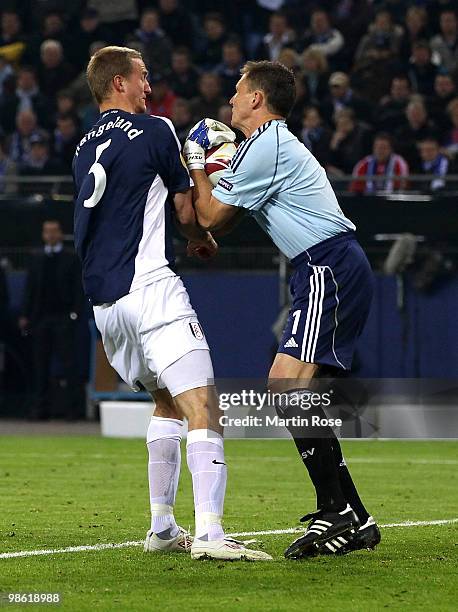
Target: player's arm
[
  {"x": 211, "y": 213},
  {"x": 244, "y": 187},
  {"x": 187, "y": 223}
]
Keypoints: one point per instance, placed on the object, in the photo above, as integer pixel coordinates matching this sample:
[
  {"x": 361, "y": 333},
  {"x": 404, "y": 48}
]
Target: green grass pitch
[{"x": 74, "y": 491}]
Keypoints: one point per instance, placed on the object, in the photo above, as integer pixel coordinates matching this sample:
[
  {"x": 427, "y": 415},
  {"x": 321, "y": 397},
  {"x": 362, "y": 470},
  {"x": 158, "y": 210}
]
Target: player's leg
[
  {"x": 118, "y": 325},
  {"x": 332, "y": 290},
  {"x": 190, "y": 382},
  {"x": 293, "y": 378},
  {"x": 314, "y": 442},
  {"x": 163, "y": 441}
]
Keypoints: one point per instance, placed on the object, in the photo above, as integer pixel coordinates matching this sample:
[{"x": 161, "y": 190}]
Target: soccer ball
[{"x": 218, "y": 160}]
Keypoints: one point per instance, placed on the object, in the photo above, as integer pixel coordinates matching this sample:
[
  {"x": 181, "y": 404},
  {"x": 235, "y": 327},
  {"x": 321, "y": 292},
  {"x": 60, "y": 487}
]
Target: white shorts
[{"x": 148, "y": 330}]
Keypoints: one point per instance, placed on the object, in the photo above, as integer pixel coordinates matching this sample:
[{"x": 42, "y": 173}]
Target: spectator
[
  {"x": 323, "y": 37},
  {"x": 445, "y": 44},
  {"x": 396, "y": 8},
  {"x": 79, "y": 90},
  {"x": 8, "y": 170},
  {"x": 342, "y": 96},
  {"x": 41, "y": 8},
  {"x": 315, "y": 135},
  {"x": 88, "y": 31},
  {"x": 207, "y": 103},
  {"x": 54, "y": 73},
  {"x": 8, "y": 104},
  {"x": 416, "y": 29},
  {"x": 289, "y": 58},
  {"x": 418, "y": 126},
  {"x": 351, "y": 18},
  {"x": 66, "y": 138},
  {"x": 382, "y": 43},
  {"x": 451, "y": 136},
  {"x": 445, "y": 91},
  {"x": 315, "y": 74},
  {"x": 162, "y": 98},
  {"x": 156, "y": 47},
  {"x": 432, "y": 161},
  {"x": 296, "y": 114},
  {"x": 279, "y": 36},
  {"x": 120, "y": 17},
  {"x": 65, "y": 103},
  {"x": 436, "y": 8},
  {"x": 225, "y": 115},
  {"x": 210, "y": 52},
  {"x": 348, "y": 144},
  {"x": 26, "y": 127},
  {"x": 182, "y": 118},
  {"x": 184, "y": 77},
  {"x": 6, "y": 72},
  {"x": 53, "y": 28},
  {"x": 12, "y": 40},
  {"x": 383, "y": 163},
  {"x": 421, "y": 71},
  {"x": 229, "y": 69},
  {"x": 28, "y": 96},
  {"x": 390, "y": 113},
  {"x": 52, "y": 304},
  {"x": 178, "y": 23},
  {"x": 377, "y": 57},
  {"x": 40, "y": 163}
]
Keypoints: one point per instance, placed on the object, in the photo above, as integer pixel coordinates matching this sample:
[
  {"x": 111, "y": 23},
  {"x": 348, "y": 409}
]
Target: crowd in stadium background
[{"x": 363, "y": 67}]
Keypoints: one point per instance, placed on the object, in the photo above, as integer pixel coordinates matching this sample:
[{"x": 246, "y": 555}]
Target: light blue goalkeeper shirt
[{"x": 278, "y": 180}]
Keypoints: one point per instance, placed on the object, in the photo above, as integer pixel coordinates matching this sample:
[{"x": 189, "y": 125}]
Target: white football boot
[
  {"x": 180, "y": 543},
  {"x": 226, "y": 550}
]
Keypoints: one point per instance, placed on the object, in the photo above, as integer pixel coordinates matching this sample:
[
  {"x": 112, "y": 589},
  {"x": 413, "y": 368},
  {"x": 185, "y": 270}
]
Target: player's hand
[
  {"x": 194, "y": 155},
  {"x": 209, "y": 133},
  {"x": 205, "y": 249},
  {"x": 204, "y": 135}
]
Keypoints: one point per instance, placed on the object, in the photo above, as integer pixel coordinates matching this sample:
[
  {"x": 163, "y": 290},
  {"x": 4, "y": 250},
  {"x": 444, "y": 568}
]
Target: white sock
[
  {"x": 205, "y": 454},
  {"x": 163, "y": 442}
]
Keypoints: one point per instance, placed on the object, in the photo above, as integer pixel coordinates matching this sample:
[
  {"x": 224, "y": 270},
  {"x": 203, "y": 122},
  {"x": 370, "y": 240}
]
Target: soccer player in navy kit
[
  {"x": 130, "y": 181},
  {"x": 277, "y": 180}
]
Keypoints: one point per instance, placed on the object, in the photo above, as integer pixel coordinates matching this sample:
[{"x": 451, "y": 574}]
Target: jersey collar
[{"x": 110, "y": 110}]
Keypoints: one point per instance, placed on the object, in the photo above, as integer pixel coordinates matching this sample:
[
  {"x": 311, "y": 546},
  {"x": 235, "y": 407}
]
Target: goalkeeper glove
[{"x": 204, "y": 135}]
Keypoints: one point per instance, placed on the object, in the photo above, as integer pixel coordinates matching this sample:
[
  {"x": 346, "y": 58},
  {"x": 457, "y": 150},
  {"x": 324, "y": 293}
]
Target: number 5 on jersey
[{"x": 100, "y": 177}]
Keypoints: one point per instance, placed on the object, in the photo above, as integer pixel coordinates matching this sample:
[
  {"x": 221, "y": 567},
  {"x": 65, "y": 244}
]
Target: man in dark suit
[{"x": 52, "y": 304}]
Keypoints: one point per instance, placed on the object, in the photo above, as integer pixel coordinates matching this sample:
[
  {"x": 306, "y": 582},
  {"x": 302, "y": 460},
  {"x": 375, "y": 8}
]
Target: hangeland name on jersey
[{"x": 119, "y": 123}]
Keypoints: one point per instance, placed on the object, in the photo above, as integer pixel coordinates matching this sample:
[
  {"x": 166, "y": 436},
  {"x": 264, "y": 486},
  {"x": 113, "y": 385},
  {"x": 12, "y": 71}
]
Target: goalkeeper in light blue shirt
[{"x": 276, "y": 179}]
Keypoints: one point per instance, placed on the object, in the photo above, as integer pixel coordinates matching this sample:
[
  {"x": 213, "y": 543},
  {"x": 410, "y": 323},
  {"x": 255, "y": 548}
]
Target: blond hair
[
  {"x": 319, "y": 57},
  {"x": 104, "y": 65}
]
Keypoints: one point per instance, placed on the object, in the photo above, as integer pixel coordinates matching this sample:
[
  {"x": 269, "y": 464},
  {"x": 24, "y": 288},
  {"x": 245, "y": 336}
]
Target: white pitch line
[
  {"x": 37, "y": 553},
  {"x": 388, "y": 525},
  {"x": 405, "y": 461}
]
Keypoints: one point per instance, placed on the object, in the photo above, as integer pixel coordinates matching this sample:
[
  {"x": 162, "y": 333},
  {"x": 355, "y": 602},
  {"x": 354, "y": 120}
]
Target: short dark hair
[
  {"x": 429, "y": 137},
  {"x": 276, "y": 81},
  {"x": 53, "y": 221},
  {"x": 384, "y": 136}
]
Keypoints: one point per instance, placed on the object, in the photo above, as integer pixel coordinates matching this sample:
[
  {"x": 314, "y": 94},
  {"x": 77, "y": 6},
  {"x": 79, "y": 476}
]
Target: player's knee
[
  {"x": 289, "y": 404},
  {"x": 165, "y": 407},
  {"x": 303, "y": 414}
]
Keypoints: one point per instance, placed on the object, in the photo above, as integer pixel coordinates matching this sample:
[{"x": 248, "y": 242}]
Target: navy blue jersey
[{"x": 124, "y": 170}]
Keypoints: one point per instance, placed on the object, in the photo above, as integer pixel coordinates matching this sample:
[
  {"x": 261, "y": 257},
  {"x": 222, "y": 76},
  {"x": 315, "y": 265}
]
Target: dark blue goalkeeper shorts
[{"x": 331, "y": 289}]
